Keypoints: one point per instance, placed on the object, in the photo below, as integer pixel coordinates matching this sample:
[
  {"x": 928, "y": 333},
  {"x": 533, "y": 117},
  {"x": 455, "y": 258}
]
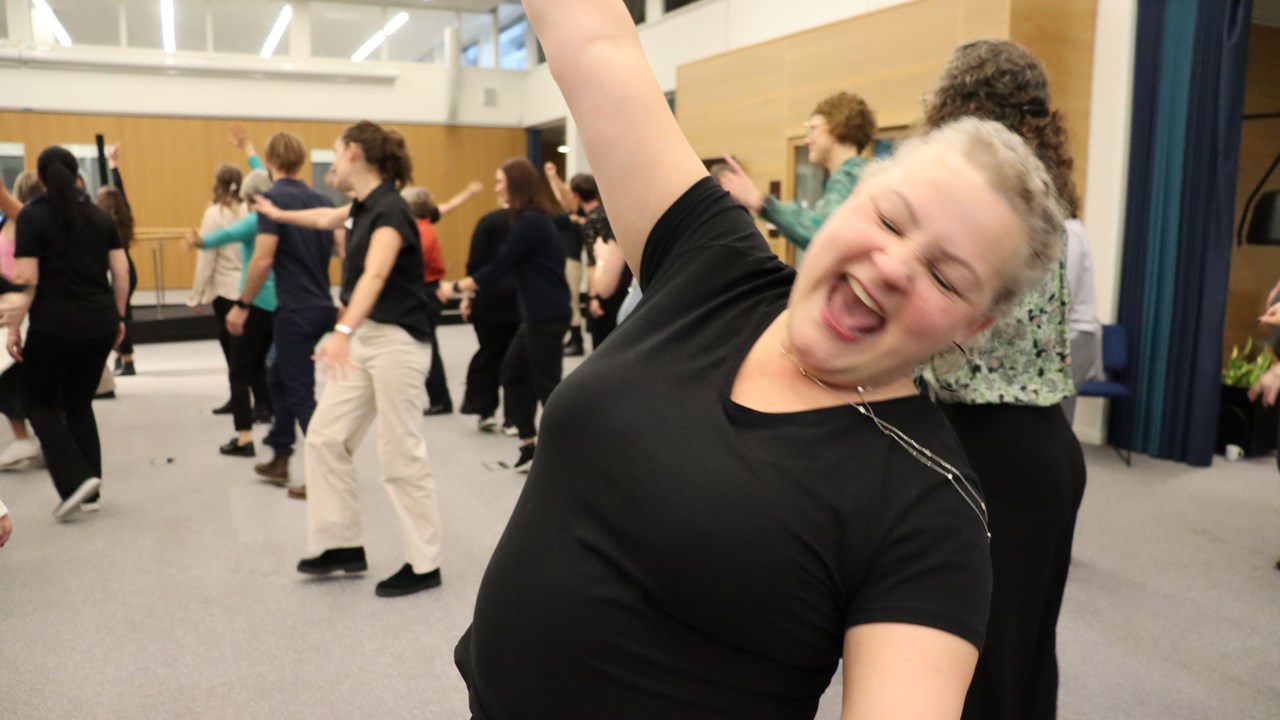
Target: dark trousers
[
  {"x": 291, "y": 379},
  {"x": 126, "y": 345},
  {"x": 437, "y": 385},
  {"x": 247, "y": 365},
  {"x": 1033, "y": 477},
  {"x": 59, "y": 377},
  {"x": 484, "y": 374},
  {"x": 531, "y": 370},
  {"x": 258, "y": 381}
]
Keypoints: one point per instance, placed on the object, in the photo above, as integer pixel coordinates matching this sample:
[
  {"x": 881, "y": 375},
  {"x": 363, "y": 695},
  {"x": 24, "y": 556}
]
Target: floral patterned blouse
[{"x": 1024, "y": 359}]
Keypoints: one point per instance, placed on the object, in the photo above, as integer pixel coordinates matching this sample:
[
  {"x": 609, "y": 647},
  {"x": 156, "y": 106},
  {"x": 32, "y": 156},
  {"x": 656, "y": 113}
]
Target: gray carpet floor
[{"x": 179, "y": 598}]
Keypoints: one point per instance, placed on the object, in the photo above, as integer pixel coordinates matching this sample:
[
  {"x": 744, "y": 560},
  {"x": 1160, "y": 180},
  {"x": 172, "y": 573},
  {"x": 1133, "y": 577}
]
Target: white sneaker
[
  {"x": 91, "y": 507},
  {"x": 20, "y": 453},
  {"x": 487, "y": 424},
  {"x": 510, "y": 431},
  {"x": 87, "y": 488}
]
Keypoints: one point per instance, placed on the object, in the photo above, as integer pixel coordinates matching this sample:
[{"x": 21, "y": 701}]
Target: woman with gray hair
[{"x": 247, "y": 359}]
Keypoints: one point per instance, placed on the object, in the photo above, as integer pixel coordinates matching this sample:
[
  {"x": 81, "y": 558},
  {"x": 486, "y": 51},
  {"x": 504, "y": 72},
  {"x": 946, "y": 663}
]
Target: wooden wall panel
[
  {"x": 168, "y": 165},
  {"x": 1254, "y": 270}
]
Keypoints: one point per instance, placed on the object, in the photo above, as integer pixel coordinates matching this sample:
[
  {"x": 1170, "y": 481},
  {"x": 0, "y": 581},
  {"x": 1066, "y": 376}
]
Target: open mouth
[{"x": 851, "y": 312}]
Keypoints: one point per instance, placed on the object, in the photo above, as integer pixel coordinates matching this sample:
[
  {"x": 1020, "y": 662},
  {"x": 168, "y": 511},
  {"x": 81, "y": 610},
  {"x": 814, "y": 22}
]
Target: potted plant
[{"x": 1241, "y": 422}]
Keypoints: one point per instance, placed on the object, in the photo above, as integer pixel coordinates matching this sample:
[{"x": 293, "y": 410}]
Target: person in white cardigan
[{"x": 217, "y": 277}]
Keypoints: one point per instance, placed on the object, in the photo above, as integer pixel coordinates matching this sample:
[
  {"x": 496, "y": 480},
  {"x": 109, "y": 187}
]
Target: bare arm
[
  {"x": 9, "y": 205},
  {"x": 558, "y": 188},
  {"x": 472, "y": 189},
  {"x": 895, "y": 671},
  {"x": 119, "y": 264},
  {"x": 384, "y": 246},
  {"x": 607, "y": 273},
  {"x": 319, "y": 218},
  {"x": 641, "y": 161}
]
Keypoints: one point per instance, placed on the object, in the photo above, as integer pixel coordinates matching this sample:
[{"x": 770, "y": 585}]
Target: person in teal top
[
  {"x": 840, "y": 128},
  {"x": 245, "y": 232}
]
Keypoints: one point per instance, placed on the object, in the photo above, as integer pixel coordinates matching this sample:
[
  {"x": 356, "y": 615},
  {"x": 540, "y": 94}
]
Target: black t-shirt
[
  {"x": 677, "y": 555},
  {"x": 533, "y": 253},
  {"x": 402, "y": 300},
  {"x": 499, "y": 302},
  {"x": 302, "y": 254},
  {"x": 73, "y": 296},
  {"x": 571, "y": 234}
]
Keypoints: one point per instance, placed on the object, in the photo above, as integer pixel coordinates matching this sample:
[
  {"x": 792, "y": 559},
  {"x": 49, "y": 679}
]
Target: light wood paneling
[
  {"x": 1254, "y": 270},
  {"x": 168, "y": 166}
]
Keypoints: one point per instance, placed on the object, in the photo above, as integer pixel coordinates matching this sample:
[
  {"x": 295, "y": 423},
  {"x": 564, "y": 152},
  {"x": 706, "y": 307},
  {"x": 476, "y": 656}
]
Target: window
[
  {"x": 677, "y": 4},
  {"x": 87, "y": 23},
  {"x": 142, "y": 24},
  {"x": 242, "y": 26},
  {"x": 477, "y": 39},
  {"x": 338, "y": 29},
  {"x": 513, "y": 53},
  {"x": 422, "y": 37},
  {"x": 4, "y": 23},
  {"x": 321, "y": 161},
  {"x": 11, "y": 155}
]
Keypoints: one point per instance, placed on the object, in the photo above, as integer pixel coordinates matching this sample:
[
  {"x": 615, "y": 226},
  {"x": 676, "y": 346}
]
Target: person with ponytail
[
  {"x": 117, "y": 207},
  {"x": 377, "y": 361},
  {"x": 65, "y": 248},
  {"x": 1004, "y": 403},
  {"x": 217, "y": 276}
]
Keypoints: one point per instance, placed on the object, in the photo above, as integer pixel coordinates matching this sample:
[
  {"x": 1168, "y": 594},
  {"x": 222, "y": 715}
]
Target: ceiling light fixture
[
  {"x": 59, "y": 32},
  {"x": 563, "y": 149},
  {"x": 166, "y": 25},
  {"x": 277, "y": 31},
  {"x": 379, "y": 37}
]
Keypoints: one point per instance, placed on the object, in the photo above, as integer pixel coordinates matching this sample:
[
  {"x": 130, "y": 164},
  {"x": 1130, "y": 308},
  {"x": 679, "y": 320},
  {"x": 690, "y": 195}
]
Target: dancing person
[
  {"x": 304, "y": 312},
  {"x": 532, "y": 252},
  {"x": 248, "y": 351},
  {"x": 1005, "y": 405},
  {"x": 745, "y": 486},
  {"x": 838, "y": 130},
  {"x": 569, "y": 222},
  {"x": 24, "y": 451},
  {"x": 217, "y": 275},
  {"x": 66, "y": 247},
  {"x": 120, "y": 211},
  {"x": 494, "y": 313},
  {"x": 377, "y": 360}
]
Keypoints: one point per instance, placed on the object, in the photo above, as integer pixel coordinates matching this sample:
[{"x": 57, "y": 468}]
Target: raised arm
[
  {"x": 9, "y": 205},
  {"x": 640, "y": 159},
  {"x": 558, "y": 188},
  {"x": 113, "y": 162},
  {"x": 319, "y": 218},
  {"x": 472, "y": 189}
]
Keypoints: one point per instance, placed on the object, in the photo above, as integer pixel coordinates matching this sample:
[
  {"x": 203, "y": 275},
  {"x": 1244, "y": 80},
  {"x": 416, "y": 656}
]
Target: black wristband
[
  {"x": 242, "y": 304},
  {"x": 457, "y": 288}
]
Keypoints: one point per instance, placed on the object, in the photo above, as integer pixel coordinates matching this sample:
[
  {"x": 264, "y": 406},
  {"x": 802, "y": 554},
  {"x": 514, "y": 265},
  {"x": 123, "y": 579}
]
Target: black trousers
[
  {"x": 1033, "y": 477},
  {"x": 531, "y": 371},
  {"x": 247, "y": 365},
  {"x": 258, "y": 381},
  {"x": 292, "y": 377},
  {"x": 484, "y": 374},
  {"x": 437, "y": 385},
  {"x": 59, "y": 377}
]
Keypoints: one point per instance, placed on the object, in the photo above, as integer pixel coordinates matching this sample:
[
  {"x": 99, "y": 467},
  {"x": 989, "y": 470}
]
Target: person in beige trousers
[{"x": 377, "y": 360}]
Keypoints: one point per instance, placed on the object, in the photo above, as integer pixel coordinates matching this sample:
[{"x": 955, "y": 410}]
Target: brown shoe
[
  {"x": 298, "y": 492},
  {"x": 276, "y": 472}
]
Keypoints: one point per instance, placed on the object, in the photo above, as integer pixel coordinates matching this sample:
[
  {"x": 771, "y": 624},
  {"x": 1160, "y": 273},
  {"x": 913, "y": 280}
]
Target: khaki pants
[
  {"x": 573, "y": 276},
  {"x": 386, "y": 378}
]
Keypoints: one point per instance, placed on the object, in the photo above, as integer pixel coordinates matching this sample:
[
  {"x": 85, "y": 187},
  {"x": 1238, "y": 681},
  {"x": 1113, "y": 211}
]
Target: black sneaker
[
  {"x": 526, "y": 458},
  {"x": 235, "y": 449},
  {"x": 438, "y": 410},
  {"x": 574, "y": 349},
  {"x": 126, "y": 369},
  {"x": 407, "y": 582},
  {"x": 224, "y": 410},
  {"x": 349, "y": 560}
]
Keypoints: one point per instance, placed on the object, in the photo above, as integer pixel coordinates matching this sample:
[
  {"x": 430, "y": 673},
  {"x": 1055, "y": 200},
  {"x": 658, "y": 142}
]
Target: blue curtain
[
  {"x": 533, "y": 139},
  {"x": 1188, "y": 100}
]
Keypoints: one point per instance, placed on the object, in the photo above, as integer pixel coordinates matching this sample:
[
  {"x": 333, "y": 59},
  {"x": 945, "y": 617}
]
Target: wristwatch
[
  {"x": 343, "y": 329},
  {"x": 457, "y": 288}
]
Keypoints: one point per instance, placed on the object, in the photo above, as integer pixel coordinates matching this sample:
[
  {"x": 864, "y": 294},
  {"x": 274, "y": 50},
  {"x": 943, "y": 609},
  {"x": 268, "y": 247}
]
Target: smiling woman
[{"x": 765, "y": 492}]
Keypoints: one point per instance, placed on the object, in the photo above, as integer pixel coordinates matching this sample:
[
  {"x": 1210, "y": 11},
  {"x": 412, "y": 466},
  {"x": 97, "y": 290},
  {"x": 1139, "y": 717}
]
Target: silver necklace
[{"x": 919, "y": 452}]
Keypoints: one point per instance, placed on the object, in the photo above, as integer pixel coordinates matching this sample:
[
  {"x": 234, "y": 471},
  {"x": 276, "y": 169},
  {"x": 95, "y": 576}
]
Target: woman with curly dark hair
[
  {"x": 839, "y": 129},
  {"x": 1004, "y": 405}
]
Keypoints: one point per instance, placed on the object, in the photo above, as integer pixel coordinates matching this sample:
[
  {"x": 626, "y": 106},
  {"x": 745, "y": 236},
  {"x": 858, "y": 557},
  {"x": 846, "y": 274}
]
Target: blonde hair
[
  {"x": 27, "y": 185},
  {"x": 1016, "y": 174}
]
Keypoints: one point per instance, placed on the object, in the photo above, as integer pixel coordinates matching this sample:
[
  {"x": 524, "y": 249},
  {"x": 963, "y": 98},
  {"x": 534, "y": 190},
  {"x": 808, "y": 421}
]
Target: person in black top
[
  {"x": 569, "y": 222},
  {"x": 65, "y": 247},
  {"x": 377, "y": 360},
  {"x": 533, "y": 252},
  {"x": 495, "y": 313},
  {"x": 305, "y": 310},
  {"x": 764, "y": 492},
  {"x": 118, "y": 210}
]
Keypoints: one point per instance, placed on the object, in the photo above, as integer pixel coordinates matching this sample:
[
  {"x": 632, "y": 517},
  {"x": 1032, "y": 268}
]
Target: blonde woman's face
[{"x": 908, "y": 265}]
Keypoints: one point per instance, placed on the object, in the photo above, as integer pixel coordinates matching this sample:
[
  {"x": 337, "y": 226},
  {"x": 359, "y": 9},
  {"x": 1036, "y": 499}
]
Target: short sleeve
[
  {"x": 401, "y": 221},
  {"x": 267, "y": 226},
  {"x": 933, "y": 568},
  {"x": 704, "y": 216},
  {"x": 113, "y": 236},
  {"x": 27, "y": 241}
]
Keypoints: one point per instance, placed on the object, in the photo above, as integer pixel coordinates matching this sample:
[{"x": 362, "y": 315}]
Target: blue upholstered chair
[{"x": 1115, "y": 360}]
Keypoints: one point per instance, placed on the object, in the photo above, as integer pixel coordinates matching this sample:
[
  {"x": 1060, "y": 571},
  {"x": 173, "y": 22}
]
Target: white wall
[{"x": 1110, "y": 119}]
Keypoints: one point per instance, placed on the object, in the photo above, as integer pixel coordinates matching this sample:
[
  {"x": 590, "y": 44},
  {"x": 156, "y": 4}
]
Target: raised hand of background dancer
[
  {"x": 235, "y": 320},
  {"x": 239, "y": 135},
  {"x": 6, "y": 529},
  {"x": 736, "y": 183},
  {"x": 113, "y": 155},
  {"x": 263, "y": 206},
  {"x": 475, "y": 187},
  {"x": 334, "y": 356},
  {"x": 13, "y": 307}
]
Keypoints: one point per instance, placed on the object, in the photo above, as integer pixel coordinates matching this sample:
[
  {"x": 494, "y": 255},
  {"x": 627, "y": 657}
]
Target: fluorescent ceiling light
[
  {"x": 166, "y": 25},
  {"x": 379, "y": 37},
  {"x": 58, "y": 31},
  {"x": 277, "y": 32},
  {"x": 563, "y": 149}
]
